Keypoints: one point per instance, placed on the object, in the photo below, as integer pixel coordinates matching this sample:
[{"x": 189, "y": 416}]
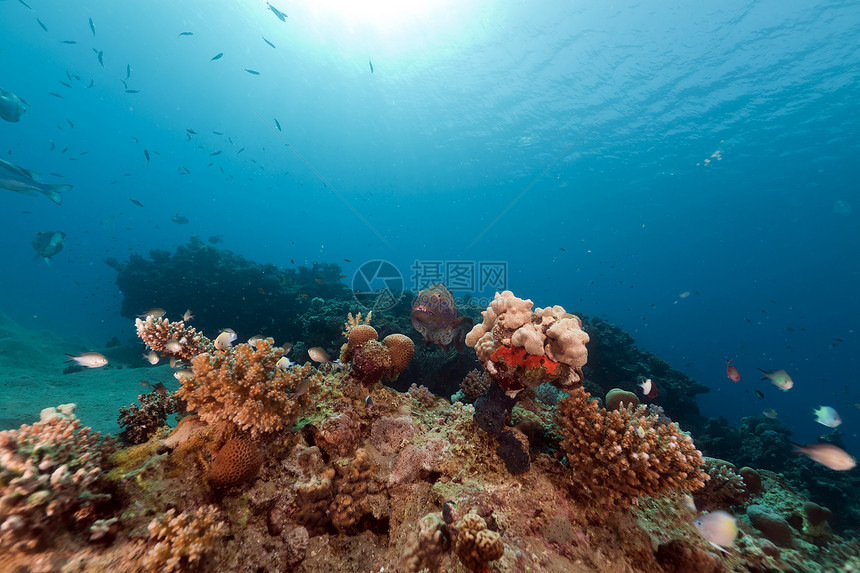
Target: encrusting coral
[
  {"x": 181, "y": 542},
  {"x": 618, "y": 455},
  {"x": 49, "y": 472},
  {"x": 235, "y": 464},
  {"x": 242, "y": 385}
]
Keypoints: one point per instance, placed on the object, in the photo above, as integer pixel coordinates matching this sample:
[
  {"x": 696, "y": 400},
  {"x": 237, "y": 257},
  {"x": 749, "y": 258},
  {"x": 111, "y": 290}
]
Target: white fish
[
  {"x": 827, "y": 455},
  {"x": 284, "y": 363},
  {"x": 253, "y": 340},
  {"x": 317, "y": 354},
  {"x": 183, "y": 375},
  {"x": 827, "y": 416},
  {"x": 153, "y": 312},
  {"x": 188, "y": 316},
  {"x": 20, "y": 180},
  {"x": 152, "y": 357},
  {"x": 779, "y": 378},
  {"x": 173, "y": 345},
  {"x": 719, "y": 528},
  {"x": 225, "y": 339},
  {"x": 11, "y": 106},
  {"x": 89, "y": 359}
]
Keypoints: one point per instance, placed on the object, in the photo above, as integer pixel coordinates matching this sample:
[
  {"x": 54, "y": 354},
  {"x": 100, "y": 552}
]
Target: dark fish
[
  {"x": 83, "y": 153},
  {"x": 53, "y": 146},
  {"x": 160, "y": 388},
  {"x": 25, "y": 4},
  {"x": 368, "y": 402},
  {"x": 278, "y": 125},
  {"x": 93, "y": 27},
  {"x": 218, "y": 56},
  {"x": 45, "y": 28},
  {"x": 191, "y": 131},
  {"x": 254, "y": 72},
  {"x": 125, "y": 85},
  {"x": 20, "y": 180},
  {"x": 215, "y": 239},
  {"x": 92, "y": 83},
  {"x": 186, "y": 33},
  {"x": 132, "y": 91},
  {"x": 101, "y": 58},
  {"x": 72, "y": 125},
  {"x": 371, "y": 65},
  {"x": 302, "y": 388},
  {"x": 65, "y": 84},
  {"x": 127, "y": 71},
  {"x": 68, "y": 42},
  {"x": 146, "y": 154},
  {"x": 215, "y": 153},
  {"x": 48, "y": 244},
  {"x": 68, "y": 75},
  {"x": 136, "y": 202},
  {"x": 240, "y": 151},
  {"x": 760, "y": 394},
  {"x": 56, "y": 95},
  {"x": 281, "y": 16},
  {"x": 268, "y": 42},
  {"x": 179, "y": 220},
  {"x": 218, "y": 132}
]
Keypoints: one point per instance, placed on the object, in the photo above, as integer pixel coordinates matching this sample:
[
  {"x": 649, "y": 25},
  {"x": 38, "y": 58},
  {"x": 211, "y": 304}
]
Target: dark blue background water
[{"x": 616, "y": 158}]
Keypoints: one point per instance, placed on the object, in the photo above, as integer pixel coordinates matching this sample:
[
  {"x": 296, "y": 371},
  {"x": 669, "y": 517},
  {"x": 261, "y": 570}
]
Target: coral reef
[
  {"x": 617, "y": 456},
  {"x": 140, "y": 422},
  {"x": 172, "y": 339},
  {"x": 476, "y": 545},
  {"x": 369, "y": 360},
  {"x": 422, "y": 394},
  {"x": 181, "y": 541},
  {"x": 51, "y": 473},
  {"x": 236, "y": 464},
  {"x": 724, "y": 489}
]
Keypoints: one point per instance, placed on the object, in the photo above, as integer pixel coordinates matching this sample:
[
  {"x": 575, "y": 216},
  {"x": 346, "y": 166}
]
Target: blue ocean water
[{"x": 686, "y": 172}]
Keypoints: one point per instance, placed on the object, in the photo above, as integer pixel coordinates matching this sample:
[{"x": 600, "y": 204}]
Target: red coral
[{"x": 515, "y": 357}]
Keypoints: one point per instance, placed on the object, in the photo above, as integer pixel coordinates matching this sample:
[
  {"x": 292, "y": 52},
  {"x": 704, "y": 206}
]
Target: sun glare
[{"x": 384, "y": 15}]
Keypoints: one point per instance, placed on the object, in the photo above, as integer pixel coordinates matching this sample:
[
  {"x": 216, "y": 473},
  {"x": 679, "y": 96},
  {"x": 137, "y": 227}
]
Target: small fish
[
  {"x": 183, "y": 375},
  {"x": 779, "y": 378},
  {"x": 278, "y": 125},
  {"x": 649, "y": 388},
  {"x": 347, "y": 261},
  {"x": 218, "y": 132},
  {"x": 186, "y": 34},
  {"x": 254, "y": 339},
  {"x": 152, "y": 358},
  {"x": 72, "y": 125},
  {"x": 25, "y": 4},
  {"x": 287, "y": 346},
  {"x": 136, "y": 202},
  {"x": 102, "y": 58},
  {"x": 827, "y": 416},
  {"x": 132, "y": 91},
  {"x": 179, "y": 219},
  {"x": 371, "y": 71},
  {"x": 770, "y": 413},
  {"x": 268, "y": 42},
  {"x": 253, "y": 72},
  {"x": 93, "y": 27},
  {"x": 225, "y": 339},
  {"x": 217, "y": 56},
  {"x": 89, "y": 359},
  {"x": 732, "y": 372},
  {"x": 827, "y": 455},
  {"x": 153, "y": 312},
  {"x": 45, "y": 28},
  {"x": 173, "y": 346},
  {"x": 317, "y": 354},
  {"x": 368, "y": 402},
  {"x": 283, "y": 363},
  {"x": 302, "y": 388},
  {"x": 213, "y": 154},
  {"x": 191, "y": 131},
  {"x": 127, "y": 71},
  {"x": 146, "y": 154},
  {"x": 55, "y": 94},
  {"x": 281, "y": 16},
  {"x": 160, "y": 388},
  {"x": 92, "y": 83},
  {"x": 48, "y": 243},
  {"x": 240, "y": 151},
  {"x": 188, "y": 316},
  {"x": 318, "y": 281},
  {"x": 719, "y": 528},
  {"x": 68, "y": 42}
]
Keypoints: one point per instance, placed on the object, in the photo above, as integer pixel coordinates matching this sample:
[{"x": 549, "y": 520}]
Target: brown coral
[
  {"x": 182, "y": 541},
  {"x": 242, "y": 385},
  {"x": 312, "y": 501},
  {"x": 725, "y": 488},
  {"x": 618, "y": 398},
  {"x": 477, "y": 545},
  {"x": 357, "y": 336},
  {"x": 427, "y": 546},
  {"x": 618, "y": 455},
  {"x": 351, "y": 503},
  {"x": 401, "y": 348},
  {"x": 172, "y": 339},
  {"x": 236, "y": 463}
]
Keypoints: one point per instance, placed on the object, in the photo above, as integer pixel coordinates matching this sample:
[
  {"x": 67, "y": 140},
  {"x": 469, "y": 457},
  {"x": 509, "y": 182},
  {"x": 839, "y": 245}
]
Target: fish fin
[
  {"x": 765, "y": 372},
  {"x": 52, "y": 192}
]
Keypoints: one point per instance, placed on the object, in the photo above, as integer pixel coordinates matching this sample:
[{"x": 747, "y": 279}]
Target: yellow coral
[
  {"x": 181, "y": 541},
  {"x": 617, "y": 456},
  {"x": 242, "y": 385},
  {"x": 352, "y": 322}
]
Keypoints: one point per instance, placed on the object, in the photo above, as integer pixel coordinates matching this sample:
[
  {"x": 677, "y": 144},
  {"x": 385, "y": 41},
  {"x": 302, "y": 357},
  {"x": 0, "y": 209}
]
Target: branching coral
[
  {"x": 140, "y": 422},
  {"x": 49, "y": 472},
  {"x": 617, "y": 456},
  {"x": 242, "y": 385},
  {"x": 182, "y": 541},
  {"x": 172, "y": 339},
  {"x": 520, "y": 348},
  {"x": 725, "y": 488}
]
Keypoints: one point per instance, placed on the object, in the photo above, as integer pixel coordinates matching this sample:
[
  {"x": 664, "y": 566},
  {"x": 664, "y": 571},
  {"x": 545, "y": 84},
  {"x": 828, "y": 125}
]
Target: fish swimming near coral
[
  {"x": 732, "y": 372},
  {"x": 435, "y": 316},
  {"x": 48, "y": 244},
  {"x": 153, "y": 312},
  {"x": 719, "y": 528},
  {"x": 649, "y": 389},
  {"x": 828, "y": 455},
  {"x": 225, "y": 339},
  {"x": 827, "y": 416},
  {"x": 779, "y": 378},
  {"x": 11, "y": 106},
  {"x": 20, "y": 180},
  {"x": 318, "y": 354},
  {"x": 89, "y": 359}
]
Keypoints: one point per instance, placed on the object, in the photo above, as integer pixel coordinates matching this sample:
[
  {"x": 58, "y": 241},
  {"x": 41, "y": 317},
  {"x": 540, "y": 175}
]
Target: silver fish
[
  {"x": 317, "y": 354},
  {"x": 11, "y": 106},
  {"x": 89, "y": 359},
  {"x": 48, "y": 244},
  {"x": 20, "y": 180}
]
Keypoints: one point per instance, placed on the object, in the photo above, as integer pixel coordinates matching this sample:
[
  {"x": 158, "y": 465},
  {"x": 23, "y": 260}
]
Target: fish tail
[
  {"x": 53, "y": 192},
  {"x": 765, "y": 372}
]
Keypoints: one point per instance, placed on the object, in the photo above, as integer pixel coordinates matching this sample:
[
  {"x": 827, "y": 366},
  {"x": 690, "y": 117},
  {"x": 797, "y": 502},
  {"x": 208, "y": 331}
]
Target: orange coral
[
  {"x": 236, "y": 463},
  {"x": 477, "y": 545},
  {"x": 617, "y": 456},
  {"x": 172, "y": 339},
  {"x": 182, "y": 541},
  {"x": 401, "y": 348},
  {"x": 242, "y": 385}
]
